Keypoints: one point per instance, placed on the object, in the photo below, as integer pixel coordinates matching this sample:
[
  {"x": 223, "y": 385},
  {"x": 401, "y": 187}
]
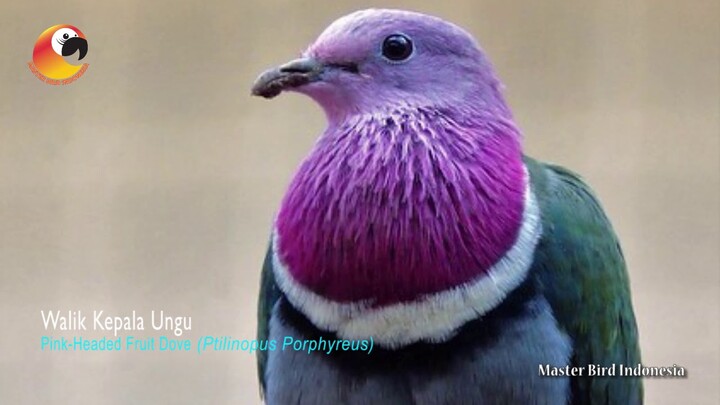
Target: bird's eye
[
  {"x": 397, "y": 47},
  {"x": 66, "y": 36}
]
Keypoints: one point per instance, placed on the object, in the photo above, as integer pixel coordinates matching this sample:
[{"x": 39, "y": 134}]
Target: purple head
[
  {"x": 417, "y": 184},
  {"x": 378, "y": 60}
]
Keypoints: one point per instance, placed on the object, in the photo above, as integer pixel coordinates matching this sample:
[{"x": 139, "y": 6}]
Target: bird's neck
[{"x": 388, "y": 208}]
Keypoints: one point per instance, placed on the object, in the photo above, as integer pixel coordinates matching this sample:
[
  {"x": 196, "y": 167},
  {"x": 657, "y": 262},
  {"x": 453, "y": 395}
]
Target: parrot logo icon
[{"x": 51, "y": 48}]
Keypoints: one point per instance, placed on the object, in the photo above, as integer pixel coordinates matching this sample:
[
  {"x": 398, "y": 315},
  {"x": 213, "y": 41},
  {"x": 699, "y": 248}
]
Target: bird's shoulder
[
  {"x": 582, "y": 272},
  {"x": 269, "y": 295}
]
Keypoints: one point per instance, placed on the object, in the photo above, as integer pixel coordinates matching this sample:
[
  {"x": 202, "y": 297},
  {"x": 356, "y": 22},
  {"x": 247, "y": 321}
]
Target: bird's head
[
  {"x": 378, "y": 60},
  {"x": 67, "y": 40}
]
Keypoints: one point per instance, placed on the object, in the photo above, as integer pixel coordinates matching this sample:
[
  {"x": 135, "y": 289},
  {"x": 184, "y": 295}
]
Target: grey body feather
[{"x": 500, "y": 370}]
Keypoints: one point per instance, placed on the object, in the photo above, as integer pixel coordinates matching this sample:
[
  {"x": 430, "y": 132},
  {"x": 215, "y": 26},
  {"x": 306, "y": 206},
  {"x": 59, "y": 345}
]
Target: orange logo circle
[{"x": 51, "y": 48}]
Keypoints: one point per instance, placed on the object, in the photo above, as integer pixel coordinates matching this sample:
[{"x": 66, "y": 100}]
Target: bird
[
  {"x": 53, "y": 45},
  {"x": 416, "y": 222}
]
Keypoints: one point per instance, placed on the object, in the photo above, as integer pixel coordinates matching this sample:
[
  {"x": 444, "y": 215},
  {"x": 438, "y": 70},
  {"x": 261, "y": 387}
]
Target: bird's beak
[
  {"x": 73, "y": 45},
  {"x": 292, "y": 74}
]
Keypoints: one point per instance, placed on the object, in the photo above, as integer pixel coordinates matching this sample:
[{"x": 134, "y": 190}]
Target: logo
[{"x": 51, "y": 48}]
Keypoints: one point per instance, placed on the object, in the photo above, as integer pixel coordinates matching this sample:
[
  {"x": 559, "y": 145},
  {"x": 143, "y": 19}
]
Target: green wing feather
[
  {"x": 582, "y": 272},
  {"x": 269, "y": 294}
]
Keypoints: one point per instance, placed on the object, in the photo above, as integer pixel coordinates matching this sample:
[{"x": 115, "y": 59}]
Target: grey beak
[{"x": 292, "y": 74}]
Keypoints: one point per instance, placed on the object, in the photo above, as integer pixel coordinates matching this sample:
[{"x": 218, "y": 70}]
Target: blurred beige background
[{"x": 151, "y": 182}]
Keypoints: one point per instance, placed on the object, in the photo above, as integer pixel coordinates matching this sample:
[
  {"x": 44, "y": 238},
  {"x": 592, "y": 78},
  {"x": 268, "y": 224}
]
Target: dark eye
[
  {"x": 397, "y": 47},
  {"x": 66, "y": 36}
]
